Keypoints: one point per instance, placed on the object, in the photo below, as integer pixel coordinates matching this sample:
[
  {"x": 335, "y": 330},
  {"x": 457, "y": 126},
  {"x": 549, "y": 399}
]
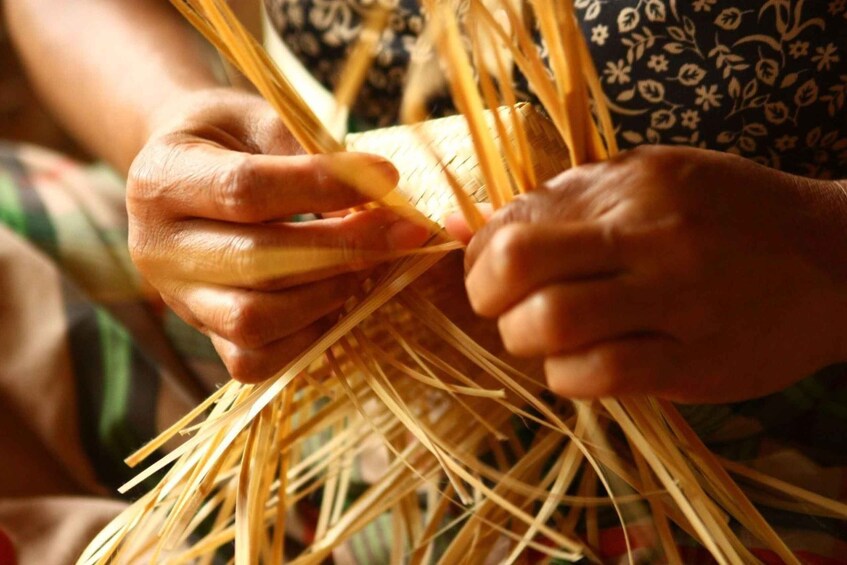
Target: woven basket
[{"x": 423, "y": 184}]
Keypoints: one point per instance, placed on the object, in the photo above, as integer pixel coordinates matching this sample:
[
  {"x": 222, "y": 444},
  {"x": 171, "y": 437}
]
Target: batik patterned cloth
[{"x": 766, "y": 79}]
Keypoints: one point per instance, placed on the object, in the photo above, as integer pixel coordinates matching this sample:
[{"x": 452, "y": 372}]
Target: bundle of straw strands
[{"x": 480, "y": 462}]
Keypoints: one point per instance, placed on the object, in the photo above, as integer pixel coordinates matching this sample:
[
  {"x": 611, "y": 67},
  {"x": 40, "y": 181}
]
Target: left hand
[{"x": 687, "y": 274}]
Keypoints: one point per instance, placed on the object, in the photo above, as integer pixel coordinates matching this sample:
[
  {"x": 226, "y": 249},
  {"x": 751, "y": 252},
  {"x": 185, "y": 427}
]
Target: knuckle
[
  {"x": 657, "y": 160},
  {"x": 613, "y": 242},
  {"x": 144, "y": 243},
  {"x": 561, "y": 196},
  {"x": 611, "y": 368},
  {"x": 240, "y": 255},
  {"x": 689, "y": 243},
  {"x": 509, "y": 247},
  {"x": 519, "y": 210},
  {"x": 243, "y": 323},
  {"x": 150, "y": 179},
  {"x": 236, "y": 184},
  {"x": 139, "y": 249},
  {"x": 610, "y": 364},
  {"x": 558, "y": 319},
  {"x": 140, "y": 178},
  {"x": 559, "y": 384},
  {"x": 605, "y": 371},
  {"x": 592, "y": 376},
  {"x": 511, "y": 336},
  {"x": 243, "y": 366}
]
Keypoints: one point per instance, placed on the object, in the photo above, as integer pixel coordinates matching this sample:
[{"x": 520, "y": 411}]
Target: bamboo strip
[{"x": 255, "y": 455}]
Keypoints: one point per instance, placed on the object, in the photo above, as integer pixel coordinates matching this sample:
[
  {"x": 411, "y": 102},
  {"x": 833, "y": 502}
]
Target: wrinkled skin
[
  {"x": 209, "y": 193},
  {"x": 687, "y": 274}
]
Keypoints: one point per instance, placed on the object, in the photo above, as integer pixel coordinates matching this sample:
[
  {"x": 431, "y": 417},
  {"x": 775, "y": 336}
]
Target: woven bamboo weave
[{"x": 422, "y": 182}]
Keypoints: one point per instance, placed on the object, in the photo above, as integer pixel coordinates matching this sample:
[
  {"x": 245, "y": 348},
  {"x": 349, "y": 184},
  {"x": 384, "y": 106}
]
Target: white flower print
[
  {"x": 658, "y": 63},
  {"x": 798, "y": 49},
  {"x": 599, "y": 34},
  {"x": 690, "y": 119},
  {"x": 826, "y": 56},
  {"x": 745, "y": 77},
  {"x": 786, "y": 142},
  {"x": 703, "y": 5},
  {"x": 617, "y": 72},
  {"x": 708, "y": 97}
]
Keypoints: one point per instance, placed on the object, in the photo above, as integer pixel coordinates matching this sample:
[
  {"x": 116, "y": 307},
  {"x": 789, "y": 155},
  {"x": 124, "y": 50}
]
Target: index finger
[
  {"x": 206, "y": 181},
  {"x": 521, "y": 258}
]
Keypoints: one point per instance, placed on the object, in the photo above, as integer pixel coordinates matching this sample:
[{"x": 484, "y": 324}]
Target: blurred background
[{"x": 22, "y": 117}]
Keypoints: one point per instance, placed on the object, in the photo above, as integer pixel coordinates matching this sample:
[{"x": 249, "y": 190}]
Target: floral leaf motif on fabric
[{"x": 752, "y": 78}]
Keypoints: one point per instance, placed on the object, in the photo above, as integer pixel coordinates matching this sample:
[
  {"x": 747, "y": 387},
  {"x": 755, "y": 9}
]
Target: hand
[
  {"x": 207, "y": 200},
  {"x": 682, "y": 273}
]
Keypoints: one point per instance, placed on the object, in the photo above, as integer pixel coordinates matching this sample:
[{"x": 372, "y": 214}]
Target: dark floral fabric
[
  {"x": 319, "y": 33},
  {"x": 766, "y": 79}
]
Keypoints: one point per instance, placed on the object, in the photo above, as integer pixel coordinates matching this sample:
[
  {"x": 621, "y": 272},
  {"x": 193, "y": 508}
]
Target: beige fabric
[
  {"x": 36, "y": 381},
  {"x": 51, "y": 502},
  {"x": 54, "y": 530},
  {"x": 43, "y": 461}
]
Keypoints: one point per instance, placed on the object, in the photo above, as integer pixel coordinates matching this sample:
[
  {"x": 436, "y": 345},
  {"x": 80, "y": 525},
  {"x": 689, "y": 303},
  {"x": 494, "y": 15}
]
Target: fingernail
[
  {"x": 371, "y": 175},
  {"x": 382, "y": 172},
  {"x": 406, "y": 234}
]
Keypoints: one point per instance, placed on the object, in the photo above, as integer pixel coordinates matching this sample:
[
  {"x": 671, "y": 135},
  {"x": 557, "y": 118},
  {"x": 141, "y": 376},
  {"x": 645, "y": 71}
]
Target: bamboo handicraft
[{"x": 478, "y": 461}]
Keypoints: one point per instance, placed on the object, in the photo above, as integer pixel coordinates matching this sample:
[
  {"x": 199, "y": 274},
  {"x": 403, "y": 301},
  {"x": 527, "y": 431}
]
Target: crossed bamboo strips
[{"x": 477, "y": 457}]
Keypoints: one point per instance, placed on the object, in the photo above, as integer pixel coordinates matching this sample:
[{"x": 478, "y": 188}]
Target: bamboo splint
[{"x": 408, "y": 375}]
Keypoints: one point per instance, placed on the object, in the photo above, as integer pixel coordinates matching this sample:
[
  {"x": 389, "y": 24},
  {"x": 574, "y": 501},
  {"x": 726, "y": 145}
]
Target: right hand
[{"x": 211, "y": 190}]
